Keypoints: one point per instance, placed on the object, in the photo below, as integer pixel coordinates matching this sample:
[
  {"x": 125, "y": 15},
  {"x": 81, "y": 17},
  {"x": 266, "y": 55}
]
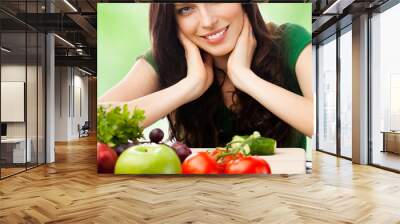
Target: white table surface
[
  {"x": 19, "y": 150},
  {"x": 284, "y": 161},
  {"x": 13, "y": 140}
]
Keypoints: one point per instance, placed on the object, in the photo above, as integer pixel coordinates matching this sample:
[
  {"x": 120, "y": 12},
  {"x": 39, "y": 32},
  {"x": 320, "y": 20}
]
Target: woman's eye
[{"x": 184, "y": 10}]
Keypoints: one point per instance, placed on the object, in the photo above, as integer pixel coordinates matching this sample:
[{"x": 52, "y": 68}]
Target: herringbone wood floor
[{"x": 70, "y": 191}]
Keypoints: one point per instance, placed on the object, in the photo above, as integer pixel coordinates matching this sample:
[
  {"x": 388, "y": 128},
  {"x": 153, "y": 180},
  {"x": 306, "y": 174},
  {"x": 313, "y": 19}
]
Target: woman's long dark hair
[{"x": 198, "y": 123}]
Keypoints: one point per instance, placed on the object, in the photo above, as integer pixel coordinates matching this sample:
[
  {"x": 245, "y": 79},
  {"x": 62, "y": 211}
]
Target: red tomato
[
  {"x": 200, "y": 163},
  {"x": 247, "y": 165},
  {"x": 214, "y": 153},
  {"x": 222, "y": 161}
]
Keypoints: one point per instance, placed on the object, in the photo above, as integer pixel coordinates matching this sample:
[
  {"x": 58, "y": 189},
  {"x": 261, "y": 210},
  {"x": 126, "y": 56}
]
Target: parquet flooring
[
  {"x": 70, "y": 191},
  {"x": 9, "y": 171}
]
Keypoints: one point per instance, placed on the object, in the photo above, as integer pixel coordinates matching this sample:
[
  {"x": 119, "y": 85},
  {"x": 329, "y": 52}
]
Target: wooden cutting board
[{"x": 284, "y": 161}]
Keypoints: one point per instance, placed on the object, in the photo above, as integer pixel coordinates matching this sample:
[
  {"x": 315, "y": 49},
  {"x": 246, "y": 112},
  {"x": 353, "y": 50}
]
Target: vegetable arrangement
[
  {"x": 119, "y": 151},
  {"x": 117, "y": 130}
]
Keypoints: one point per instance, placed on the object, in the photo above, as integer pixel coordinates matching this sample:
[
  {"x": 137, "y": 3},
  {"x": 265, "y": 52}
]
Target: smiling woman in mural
[{"x": 216, "y": 70}]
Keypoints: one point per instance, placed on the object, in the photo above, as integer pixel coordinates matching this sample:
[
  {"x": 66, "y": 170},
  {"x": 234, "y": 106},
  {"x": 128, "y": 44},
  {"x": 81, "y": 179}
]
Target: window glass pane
[
  {"x": 346, "y": 94},
  {"x": 385, "y": 89},
  {"x": 31, "y": 97},
  {"x": 327, "y": 96}
]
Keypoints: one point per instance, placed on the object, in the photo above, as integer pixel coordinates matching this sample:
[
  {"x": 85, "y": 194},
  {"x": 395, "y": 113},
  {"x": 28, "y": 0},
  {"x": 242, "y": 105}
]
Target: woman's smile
[
  {"x": 217, "y": 36},
  {"x": 213, "y": 27}
]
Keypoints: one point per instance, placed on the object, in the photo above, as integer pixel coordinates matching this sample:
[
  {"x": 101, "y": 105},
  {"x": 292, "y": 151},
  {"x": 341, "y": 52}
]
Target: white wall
[
  {"x": 61, "y": 103},
  {"x": 70, "y": 83},
  {"x": 12, "y": 73}
]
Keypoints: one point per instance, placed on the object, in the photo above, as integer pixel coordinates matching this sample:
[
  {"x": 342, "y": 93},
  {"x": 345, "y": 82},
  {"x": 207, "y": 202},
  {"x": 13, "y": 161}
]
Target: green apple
[{"x": 148, "y": 159}]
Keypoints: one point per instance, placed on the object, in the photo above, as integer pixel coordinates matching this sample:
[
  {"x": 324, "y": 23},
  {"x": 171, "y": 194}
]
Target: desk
[{"x": 18, "y": 151}]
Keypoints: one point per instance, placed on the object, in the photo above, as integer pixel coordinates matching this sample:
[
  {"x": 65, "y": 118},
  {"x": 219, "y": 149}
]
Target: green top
[{"x": 294, "y": 39}]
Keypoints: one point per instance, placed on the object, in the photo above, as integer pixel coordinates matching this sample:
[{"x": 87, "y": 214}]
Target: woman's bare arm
[
  {"x": 140, "y": 89},
  {"x": 140, "y": 81},
  {"x": 294, "y": 109}
]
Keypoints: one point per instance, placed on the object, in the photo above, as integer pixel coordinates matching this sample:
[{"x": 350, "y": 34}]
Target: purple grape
[
  {"x": 121, "y": 148},
  {"x": 156, "y": 135},
  {"x": 181, "y": 150}
]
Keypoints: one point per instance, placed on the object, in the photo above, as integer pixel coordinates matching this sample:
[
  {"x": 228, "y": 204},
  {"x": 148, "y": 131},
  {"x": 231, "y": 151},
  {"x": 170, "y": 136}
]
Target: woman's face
[{"x": 213, "y": 27}]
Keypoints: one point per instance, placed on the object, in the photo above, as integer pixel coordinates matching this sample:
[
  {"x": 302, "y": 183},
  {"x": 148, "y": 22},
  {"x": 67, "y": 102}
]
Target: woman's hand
[
  {"x": 199, "y": 74},
  {"x": 240, "y": 59}
]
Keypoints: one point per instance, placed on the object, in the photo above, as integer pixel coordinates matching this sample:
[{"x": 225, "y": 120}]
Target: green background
[{"x": 123, "y": 34}]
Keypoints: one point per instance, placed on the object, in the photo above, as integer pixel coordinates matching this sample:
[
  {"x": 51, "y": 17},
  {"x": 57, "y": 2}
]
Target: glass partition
[
  {"x": 22, "y": 88},
  {"x": 31, "y": 100},
  {"x": 13, "y": 94}
]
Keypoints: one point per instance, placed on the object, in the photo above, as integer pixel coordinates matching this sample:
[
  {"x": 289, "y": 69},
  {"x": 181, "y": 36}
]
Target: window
[
  {"x": 385, "y": 89},
  {"x": 327, "y": 96},
  {"x": 346, "y": 93}
]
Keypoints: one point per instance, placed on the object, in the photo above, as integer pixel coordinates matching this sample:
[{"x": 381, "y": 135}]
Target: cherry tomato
[
  {"x": 200, "y": 163},
  {"x": 247, "y": 165}
]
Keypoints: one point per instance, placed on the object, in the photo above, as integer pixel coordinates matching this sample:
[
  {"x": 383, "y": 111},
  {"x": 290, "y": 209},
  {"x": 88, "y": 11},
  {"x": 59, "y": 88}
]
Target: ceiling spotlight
[
  {"x": 70, "y": 5},
  {"x": 64, "y": 40},
  {"x": 84, "y": 71},
  {"x": 5, "y": 50},
  {"x": 337, "y": 7}
]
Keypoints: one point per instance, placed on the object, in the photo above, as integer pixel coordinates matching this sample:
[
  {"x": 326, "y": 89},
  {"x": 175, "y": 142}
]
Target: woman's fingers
[
  {"x": 198, "y": 69},
  {"x": 208, "y": 61},
  {"x": 209, "y": 69},
  {"x": 244, "y": 34},
  {"x": 247, "y": 35},
  {"x": 187, "y": 44},
  {"x": 252, "y": 39},
  {"x": 249, "y": 30}
]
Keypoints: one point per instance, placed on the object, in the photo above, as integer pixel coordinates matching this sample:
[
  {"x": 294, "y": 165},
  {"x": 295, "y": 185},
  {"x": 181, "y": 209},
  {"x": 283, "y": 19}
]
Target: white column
[
  {"x": 360, "y": 90},
  {"x": 50, "y": 94}
]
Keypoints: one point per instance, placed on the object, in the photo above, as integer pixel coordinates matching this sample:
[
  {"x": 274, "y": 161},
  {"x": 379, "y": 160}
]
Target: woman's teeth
[{"x": 215, "y": 36}]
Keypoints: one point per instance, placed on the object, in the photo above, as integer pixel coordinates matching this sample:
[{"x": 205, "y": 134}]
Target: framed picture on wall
[{"x": 204, "y": 88}]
